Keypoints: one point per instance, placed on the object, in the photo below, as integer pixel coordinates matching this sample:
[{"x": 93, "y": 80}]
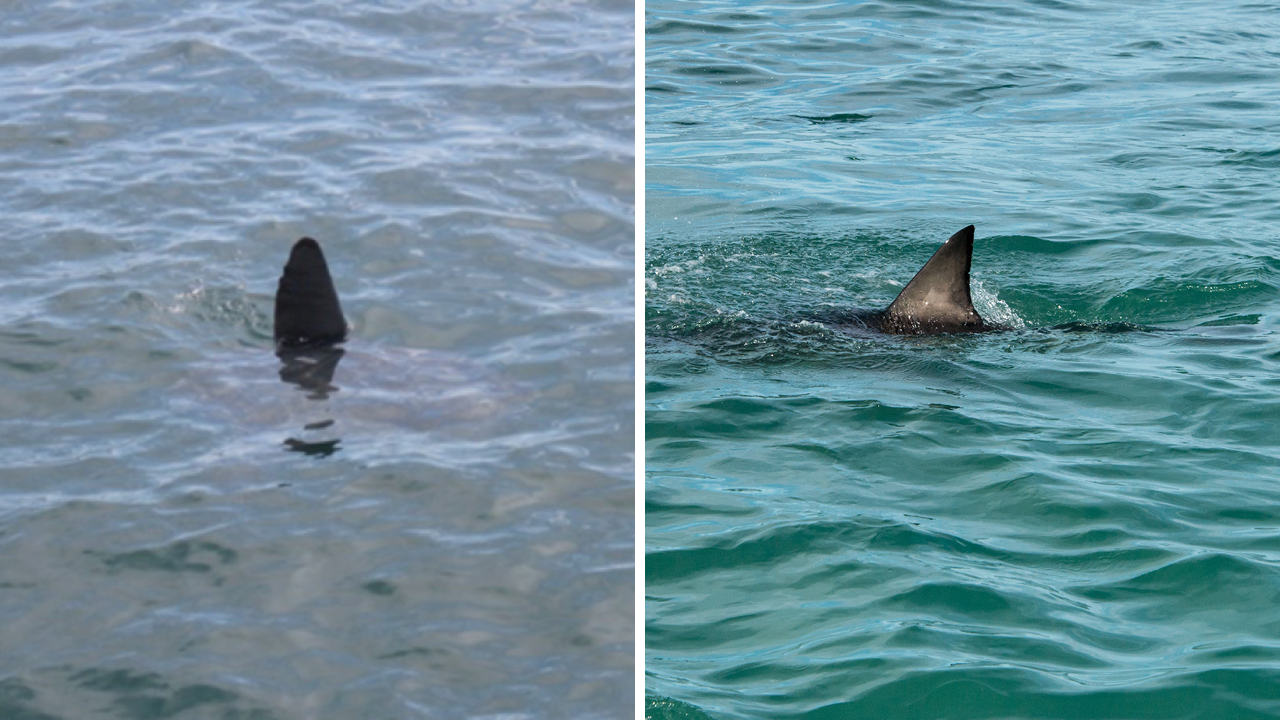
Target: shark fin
[
  {"x": 937, "y": 298},
  {"x": 308, "y": 313}
]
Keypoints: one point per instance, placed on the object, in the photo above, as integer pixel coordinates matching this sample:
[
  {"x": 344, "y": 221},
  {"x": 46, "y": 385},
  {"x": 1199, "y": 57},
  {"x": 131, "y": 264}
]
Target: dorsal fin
[
  {"x": 307, "y": 310},
  {"x": 937, "y": 298}
]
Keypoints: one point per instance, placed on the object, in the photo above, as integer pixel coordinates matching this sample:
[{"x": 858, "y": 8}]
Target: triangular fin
[
  {"x": 308, "y": 313},
  {"x": 937, "y": 299}
]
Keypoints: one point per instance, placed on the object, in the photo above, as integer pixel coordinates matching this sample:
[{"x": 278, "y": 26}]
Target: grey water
[
  {"x": 1074, "y": 518},
  {"x": 445, "y": 532}
]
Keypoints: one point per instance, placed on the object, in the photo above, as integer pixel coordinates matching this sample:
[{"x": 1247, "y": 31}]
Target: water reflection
[{"x": 312, "y": 370}]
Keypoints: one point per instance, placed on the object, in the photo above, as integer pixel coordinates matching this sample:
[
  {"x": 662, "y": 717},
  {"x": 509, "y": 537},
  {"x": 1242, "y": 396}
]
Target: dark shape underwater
[{"x": 309, "y": 325}]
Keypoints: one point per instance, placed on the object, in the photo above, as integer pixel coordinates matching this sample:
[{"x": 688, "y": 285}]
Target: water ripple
[{"x": 1068, "y": 519}]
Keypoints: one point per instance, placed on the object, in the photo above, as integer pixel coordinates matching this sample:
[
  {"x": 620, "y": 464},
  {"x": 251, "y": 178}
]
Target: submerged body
[{"x": 309, "y": 330}]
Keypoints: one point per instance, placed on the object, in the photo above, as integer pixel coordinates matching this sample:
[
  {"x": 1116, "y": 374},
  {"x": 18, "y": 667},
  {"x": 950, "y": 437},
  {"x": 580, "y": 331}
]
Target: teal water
[
  {"x": 1076, "y": 518},
  {"x": 457, "y": 539}
]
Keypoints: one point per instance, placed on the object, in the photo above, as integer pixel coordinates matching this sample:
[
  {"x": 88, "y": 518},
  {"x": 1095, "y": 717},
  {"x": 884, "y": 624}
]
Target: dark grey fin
[
  {"x": 307, "y": 310},
  {"x": 937, "y": 298}
]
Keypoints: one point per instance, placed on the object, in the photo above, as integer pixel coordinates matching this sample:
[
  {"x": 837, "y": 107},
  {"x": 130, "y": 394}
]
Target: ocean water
[
  {"x": 449, "y": 532},
  {"x": 1079, "y": 517}
]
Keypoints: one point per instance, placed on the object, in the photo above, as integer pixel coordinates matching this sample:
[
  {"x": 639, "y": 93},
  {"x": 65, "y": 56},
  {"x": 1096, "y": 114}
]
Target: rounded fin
[{"x": 308, "y": 313}]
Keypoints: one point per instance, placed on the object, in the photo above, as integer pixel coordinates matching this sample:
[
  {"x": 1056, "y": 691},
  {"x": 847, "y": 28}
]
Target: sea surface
[
  {"x": 1076, "y": 518},
  {"x": 447, "y": 532}
]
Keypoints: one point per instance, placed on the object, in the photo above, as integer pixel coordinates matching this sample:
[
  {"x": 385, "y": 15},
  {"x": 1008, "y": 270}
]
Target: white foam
[{"x": 992, "y": 309}]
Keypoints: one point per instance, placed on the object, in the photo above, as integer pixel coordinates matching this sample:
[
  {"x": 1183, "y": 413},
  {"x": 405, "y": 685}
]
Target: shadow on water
[
  {"x": 312, "y": 370},
  {"x": 1107, "y": 328},
  {"x": 839, "y": 337}
]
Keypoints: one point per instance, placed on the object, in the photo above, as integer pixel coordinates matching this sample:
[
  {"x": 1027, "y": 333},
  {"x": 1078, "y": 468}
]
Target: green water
[{"x": 1076, "y": 518}]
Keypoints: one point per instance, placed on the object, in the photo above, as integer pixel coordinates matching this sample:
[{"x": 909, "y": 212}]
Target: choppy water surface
[
  {"x": 1078, "y": 518},
  {"x": 454, "y": 538}
]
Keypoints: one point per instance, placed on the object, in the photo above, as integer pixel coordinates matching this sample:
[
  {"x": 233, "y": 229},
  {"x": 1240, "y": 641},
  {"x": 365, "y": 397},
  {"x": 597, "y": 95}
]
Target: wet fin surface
[
  {"x": 937, "y": 299},
  {"x": 308, "y": 313}
]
